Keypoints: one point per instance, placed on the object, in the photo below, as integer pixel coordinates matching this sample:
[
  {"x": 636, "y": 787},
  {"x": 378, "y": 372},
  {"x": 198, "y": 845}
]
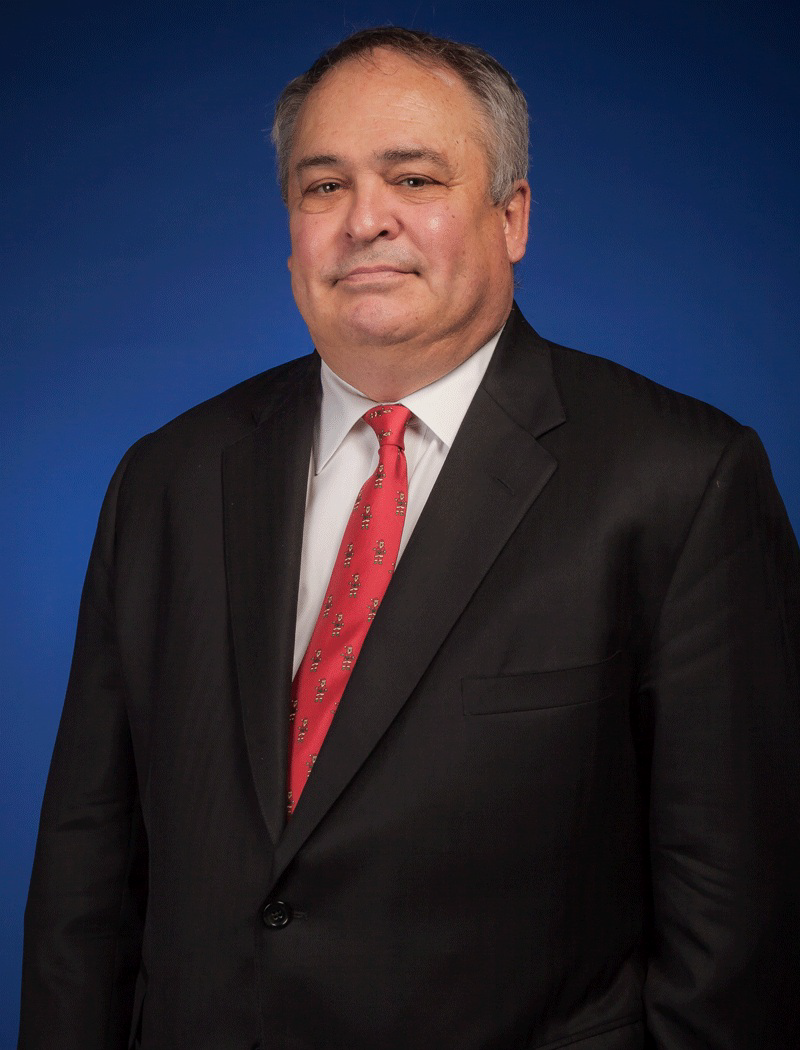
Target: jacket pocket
[
  {"x": 625, "y": 1034},
  {"x": 540, "y": 690}
]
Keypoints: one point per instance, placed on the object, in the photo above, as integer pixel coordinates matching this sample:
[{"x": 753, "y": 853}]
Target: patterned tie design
[{"x": 360, "y": 576}]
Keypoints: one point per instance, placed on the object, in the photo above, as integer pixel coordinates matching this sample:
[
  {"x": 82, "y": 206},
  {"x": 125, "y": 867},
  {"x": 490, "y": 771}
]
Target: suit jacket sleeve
[
  {"x": 720, "y": 696},
  {"x": 85, "y": 907}
]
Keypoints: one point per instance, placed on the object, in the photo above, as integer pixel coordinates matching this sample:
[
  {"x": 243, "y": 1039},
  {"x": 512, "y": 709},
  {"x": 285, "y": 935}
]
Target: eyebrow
[
  {"x": 400, "y": 156},
  {"x": 317, "y": 160},
  {"x": 389, "y": 156}
]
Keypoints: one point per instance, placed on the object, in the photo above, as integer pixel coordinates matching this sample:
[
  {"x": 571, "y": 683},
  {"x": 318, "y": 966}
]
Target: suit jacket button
[{"x": 276, "y": 915}]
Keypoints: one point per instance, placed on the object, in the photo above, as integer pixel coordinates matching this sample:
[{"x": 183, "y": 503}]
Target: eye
[
  {"x": 323, "y": 189},
  {"x": 415, "y": 181}
]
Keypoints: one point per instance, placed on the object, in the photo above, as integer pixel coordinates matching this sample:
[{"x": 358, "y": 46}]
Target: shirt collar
[{"x": 440, "y": 406}]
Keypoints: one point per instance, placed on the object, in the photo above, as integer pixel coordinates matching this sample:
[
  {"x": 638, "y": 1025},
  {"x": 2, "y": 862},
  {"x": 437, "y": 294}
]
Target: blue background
[{"x": 144, "y": 247}]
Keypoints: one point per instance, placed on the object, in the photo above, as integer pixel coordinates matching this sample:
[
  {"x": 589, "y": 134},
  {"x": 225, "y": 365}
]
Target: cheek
[
  {"x": 444, "y": 241},
  {"x": 309, "y": 253},
  {"x": 434, "y": 225}
]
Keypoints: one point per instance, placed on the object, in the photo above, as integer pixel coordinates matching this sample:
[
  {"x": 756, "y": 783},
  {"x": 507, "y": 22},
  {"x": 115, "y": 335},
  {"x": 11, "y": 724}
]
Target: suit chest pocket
[{"x": 543, "y": 690}]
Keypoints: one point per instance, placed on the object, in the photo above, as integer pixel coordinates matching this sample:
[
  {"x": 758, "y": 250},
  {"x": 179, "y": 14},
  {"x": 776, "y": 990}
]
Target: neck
[{"x": 388, "y": 374}]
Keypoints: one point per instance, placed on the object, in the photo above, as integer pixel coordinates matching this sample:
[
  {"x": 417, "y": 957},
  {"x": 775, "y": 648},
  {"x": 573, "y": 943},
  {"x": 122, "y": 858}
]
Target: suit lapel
[
  {"x": 494, "y": 471},
  {"x": 264, "y": 483}
]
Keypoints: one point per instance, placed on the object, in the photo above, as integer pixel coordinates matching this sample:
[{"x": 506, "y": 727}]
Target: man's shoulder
[
  {"x": 207, "y": 428},
  {"x": 235, "y": 411},
  {"x": 587, "y": 374},
  {"x": 611, "y": 402},
  {"x": 615, "y": 424}
]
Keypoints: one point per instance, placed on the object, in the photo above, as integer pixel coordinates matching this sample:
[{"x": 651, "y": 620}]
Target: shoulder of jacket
[
  {"x": 203, "y": 431},
  {"x": 623, "y": 406}
]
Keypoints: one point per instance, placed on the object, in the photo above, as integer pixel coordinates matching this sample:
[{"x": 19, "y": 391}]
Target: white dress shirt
[{"x": 345, "y": 454}]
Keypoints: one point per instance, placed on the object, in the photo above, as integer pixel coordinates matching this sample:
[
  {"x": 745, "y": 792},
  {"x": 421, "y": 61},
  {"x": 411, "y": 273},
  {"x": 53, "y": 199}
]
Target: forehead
[{"x": 385, "y": 93}]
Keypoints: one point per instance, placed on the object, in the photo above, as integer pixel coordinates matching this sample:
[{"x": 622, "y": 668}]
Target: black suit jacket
[{"x": 558, "y": 804}]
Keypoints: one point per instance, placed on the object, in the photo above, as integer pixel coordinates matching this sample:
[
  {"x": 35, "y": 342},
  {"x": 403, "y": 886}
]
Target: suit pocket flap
[{"x": 543, "y": 689}]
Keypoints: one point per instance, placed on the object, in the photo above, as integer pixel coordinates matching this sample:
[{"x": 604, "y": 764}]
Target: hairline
[
  {"x": 482, "y": 129},
  {"x": 502, "y": 138}
]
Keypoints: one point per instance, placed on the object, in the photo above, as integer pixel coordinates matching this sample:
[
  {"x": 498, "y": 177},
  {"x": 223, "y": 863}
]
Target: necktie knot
[{"x": 389, "y": 423}]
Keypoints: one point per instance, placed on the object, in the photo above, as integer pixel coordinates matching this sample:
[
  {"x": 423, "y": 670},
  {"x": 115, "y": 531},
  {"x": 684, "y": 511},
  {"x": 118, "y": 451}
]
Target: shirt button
[{"x": 276, "y": 915}]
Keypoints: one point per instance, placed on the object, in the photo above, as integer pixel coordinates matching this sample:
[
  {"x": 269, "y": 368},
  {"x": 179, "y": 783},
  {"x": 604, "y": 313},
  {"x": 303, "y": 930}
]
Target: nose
[{"x": 371, "y": 212}]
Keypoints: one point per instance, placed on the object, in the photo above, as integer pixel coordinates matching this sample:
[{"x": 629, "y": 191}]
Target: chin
[{"x": 378, "y": 323}]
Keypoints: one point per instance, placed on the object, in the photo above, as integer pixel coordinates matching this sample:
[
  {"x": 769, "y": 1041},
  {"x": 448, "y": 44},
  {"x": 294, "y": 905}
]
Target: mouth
[{"x": 374, "y": 274}]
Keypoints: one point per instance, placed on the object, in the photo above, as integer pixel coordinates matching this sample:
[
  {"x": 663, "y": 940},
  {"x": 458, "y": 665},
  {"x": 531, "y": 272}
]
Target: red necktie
[{"x": 363, "y": 568}]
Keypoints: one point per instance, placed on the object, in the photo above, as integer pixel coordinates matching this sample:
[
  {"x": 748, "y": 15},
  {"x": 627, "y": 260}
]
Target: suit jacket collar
[
  {"x": 520, "y": 378},
  {"x": 494, "y": 471}
]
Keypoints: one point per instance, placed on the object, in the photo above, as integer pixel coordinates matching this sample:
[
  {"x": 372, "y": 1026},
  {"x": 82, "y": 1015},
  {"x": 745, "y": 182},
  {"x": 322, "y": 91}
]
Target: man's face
[{"x": 399, "y": 259}]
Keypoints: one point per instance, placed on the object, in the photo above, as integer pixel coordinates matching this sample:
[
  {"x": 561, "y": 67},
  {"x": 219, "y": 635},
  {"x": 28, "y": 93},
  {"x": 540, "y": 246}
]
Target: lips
[
  {"x": 367, "y": 272},
  {"x": 374, "y": 271}
]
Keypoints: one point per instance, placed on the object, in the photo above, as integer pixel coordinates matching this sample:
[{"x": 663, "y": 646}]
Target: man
[{"x": 534, "y": 699}]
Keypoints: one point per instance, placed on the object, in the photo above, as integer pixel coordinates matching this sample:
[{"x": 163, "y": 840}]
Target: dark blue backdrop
[{"x": 144, "y": 244}]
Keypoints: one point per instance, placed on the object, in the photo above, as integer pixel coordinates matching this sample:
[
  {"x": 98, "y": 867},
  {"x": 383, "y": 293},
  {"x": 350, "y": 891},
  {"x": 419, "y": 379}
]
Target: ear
[{"x": 515, "y": 220}]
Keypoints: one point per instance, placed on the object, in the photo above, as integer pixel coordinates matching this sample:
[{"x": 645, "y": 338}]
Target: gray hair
[{"x": 504, "y": 108}]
